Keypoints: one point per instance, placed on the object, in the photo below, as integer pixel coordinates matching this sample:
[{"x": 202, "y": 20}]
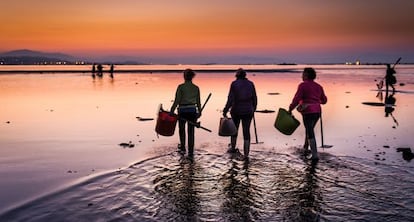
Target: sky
[{"x": 213, "y": 30}]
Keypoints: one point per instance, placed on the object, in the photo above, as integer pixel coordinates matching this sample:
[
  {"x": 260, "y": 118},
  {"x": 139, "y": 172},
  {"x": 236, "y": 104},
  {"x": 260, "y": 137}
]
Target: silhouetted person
[
  {"x": 308, "y": 99},
  {"x": 111, "y": 71},
  {"x": 187, "y": 98},
  {"x": 390, "y": 100},
  {"x": 390, "y": 79},
  {"x": 242, "y": 103},
  {"x": 93, "y": 70},
  {"x": 100, "y": 70}
]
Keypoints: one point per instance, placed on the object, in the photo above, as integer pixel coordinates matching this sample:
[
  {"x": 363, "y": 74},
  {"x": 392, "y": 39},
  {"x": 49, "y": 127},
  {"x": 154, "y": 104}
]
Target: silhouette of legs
[
  {"x": 190, "y": 130},
  {"x": 310, "y": 120},
  {"x": 246, "y": 121}
]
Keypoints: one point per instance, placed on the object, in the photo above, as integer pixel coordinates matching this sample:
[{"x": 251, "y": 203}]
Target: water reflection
[
  {"x": 237, "y": 190},
  {"x": 277, "y": 187},
  {"x": 389, "y": 104},
  {"x": 309, "y": 195},
  {"x": 177, "y": 189},
  {"x": 272, "y": 187}
]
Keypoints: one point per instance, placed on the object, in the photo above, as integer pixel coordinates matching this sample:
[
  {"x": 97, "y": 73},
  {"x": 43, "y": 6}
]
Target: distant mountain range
[
  {"x": 26, "y": 52},
  {"x": 30, "y": 57}
]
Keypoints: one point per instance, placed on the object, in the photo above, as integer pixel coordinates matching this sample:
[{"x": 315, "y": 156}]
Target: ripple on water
[{"x": 271, "y": 187}]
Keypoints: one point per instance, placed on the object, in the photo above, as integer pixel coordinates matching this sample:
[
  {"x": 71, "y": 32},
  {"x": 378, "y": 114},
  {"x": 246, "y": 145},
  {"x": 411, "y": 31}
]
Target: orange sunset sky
[{"x": 300, "y": 30}]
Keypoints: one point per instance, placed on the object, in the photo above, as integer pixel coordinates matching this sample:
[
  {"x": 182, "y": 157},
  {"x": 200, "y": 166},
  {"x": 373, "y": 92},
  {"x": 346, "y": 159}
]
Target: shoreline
[
  {"x": 149, "y": 71},
  {"x": 29, "y": 69}
]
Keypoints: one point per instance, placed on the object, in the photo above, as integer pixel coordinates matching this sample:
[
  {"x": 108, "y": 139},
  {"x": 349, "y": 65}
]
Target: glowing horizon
[{"x": 210, "y": 27}]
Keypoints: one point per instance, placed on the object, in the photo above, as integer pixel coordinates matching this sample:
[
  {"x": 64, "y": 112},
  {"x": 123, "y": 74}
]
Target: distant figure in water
[
  {"x": 93, "y": 70},
  {"x": 308, "y": 99},
  {"x": 390, "y": 79},
  {"x": 242, "y": 103},
  {"x": 100, "y": 70},
  {"x": 187, "y": 98},
  {"x": 111, "y": 71}
]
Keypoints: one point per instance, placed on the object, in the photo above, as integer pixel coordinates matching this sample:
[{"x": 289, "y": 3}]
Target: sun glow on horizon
[{"x": 154, "y": 27}]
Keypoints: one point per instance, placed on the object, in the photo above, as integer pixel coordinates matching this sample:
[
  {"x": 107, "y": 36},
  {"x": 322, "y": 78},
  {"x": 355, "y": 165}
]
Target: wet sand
[
  {"x": 218, "y": 187},
  {"x": 58, "y": 129}
]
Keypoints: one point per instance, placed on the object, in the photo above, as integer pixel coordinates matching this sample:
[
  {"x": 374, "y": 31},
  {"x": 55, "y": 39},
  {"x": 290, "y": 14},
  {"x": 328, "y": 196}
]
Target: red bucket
[{"x": 166, "y": 123}]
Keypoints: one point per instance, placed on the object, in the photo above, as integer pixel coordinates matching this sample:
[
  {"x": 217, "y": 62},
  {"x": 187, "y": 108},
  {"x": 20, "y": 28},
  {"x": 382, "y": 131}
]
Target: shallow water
[
  {"x": 59, "y": 129},
  {"x": 218, "y": 187}
]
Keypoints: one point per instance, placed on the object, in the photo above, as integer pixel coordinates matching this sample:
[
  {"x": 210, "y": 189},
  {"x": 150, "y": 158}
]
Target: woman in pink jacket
[{"x": 308, "y": 100}]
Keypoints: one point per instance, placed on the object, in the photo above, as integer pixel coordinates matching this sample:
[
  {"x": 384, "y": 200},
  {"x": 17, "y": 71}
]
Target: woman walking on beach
[
  {"x": 308, "y": 99},
  {"x": 242, "y": 103},
  {"x": 187, "y": 98}
]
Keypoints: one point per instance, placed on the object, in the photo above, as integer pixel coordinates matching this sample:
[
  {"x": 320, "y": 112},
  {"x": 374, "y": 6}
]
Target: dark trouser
[
  {"x": 190, "y": 116},
  {"x": 310, "y": 120},
  {"x": 246, "y": 120}
]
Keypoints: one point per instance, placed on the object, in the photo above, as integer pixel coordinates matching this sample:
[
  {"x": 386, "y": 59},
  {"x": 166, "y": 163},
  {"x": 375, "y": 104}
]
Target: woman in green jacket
[{"x": 187, "y": 98}]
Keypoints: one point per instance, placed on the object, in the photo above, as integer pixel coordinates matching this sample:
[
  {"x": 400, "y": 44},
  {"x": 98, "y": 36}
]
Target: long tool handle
[
  {"x": 255, "y": 129},
  {"x": 208, "y": 130},
  {"x": 195, "y": 124},
  {"x": 398, "y": 61},
  {"x": 323, "y": 145},
  {"x": 321, "y": 131},
  {"x": 208, "y": 97}
]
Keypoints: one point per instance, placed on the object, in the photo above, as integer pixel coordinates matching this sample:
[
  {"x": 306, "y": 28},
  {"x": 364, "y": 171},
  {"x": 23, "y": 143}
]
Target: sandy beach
[{"x": 60, "y": 136}]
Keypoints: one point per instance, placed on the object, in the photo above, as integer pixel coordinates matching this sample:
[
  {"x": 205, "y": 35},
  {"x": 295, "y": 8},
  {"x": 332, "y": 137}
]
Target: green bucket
[{"x": 285, "y": 122}]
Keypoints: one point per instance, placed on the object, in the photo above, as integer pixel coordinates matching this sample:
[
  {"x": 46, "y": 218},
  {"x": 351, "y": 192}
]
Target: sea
[{"x": 61, "y": 159}]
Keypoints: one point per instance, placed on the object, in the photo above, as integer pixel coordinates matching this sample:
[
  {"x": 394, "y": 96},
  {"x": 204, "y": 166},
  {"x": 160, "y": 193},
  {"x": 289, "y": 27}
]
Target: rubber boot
[
  {"x": 306, "y": 146},
  {"x": 191, "y": 140},
  {"x": 181, "y": 146},
  {"x": 312, "y": 144},
  {"x": 190, "y": 151},
  {"x": 233, "y": 141},
  {"x": 246, "y": 148}
]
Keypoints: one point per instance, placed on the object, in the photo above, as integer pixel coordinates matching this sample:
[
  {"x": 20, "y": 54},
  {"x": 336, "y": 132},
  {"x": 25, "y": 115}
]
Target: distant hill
[
  {"x": 26, "y": 52},
  {"x": 30, "y": 57}
]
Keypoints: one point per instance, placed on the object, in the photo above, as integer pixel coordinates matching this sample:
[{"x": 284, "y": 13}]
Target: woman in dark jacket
[{"x": 242, "y": 103}]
